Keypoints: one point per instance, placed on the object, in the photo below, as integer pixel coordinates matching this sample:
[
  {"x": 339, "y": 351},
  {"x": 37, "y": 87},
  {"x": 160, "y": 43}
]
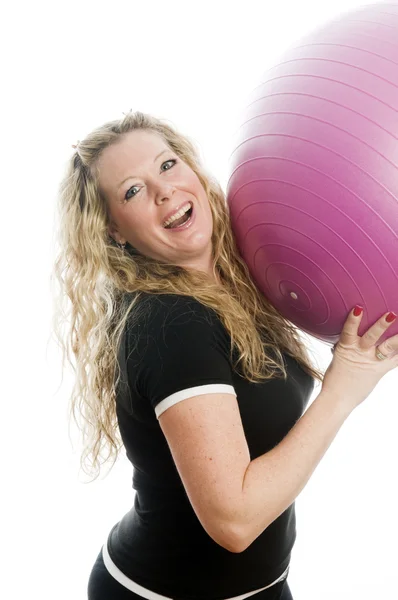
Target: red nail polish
[
  {"x": 357, "y": 310},
  {"x": 391, "y": 317}
]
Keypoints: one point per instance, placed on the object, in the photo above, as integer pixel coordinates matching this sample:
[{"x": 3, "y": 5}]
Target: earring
[{"x": 121, "y": 246}]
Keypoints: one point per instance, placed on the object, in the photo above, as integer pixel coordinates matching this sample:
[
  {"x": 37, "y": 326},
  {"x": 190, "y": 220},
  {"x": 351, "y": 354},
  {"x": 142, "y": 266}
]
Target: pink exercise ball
[{"x": 313, "y": 187}]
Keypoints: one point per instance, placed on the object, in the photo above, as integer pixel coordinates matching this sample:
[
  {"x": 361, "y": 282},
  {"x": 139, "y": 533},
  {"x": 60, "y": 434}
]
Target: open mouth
[{"x": 181, "y": 221}]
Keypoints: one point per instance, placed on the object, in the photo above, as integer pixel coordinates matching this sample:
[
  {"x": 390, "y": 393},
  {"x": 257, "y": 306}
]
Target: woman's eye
[
  {"x": 129, "y": 190},
  {"x": 172, "y": 160}
]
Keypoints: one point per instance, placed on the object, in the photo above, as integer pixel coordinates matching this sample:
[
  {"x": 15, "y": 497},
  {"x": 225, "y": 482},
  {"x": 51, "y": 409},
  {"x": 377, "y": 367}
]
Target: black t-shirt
[{"x": 178, "y": 349}]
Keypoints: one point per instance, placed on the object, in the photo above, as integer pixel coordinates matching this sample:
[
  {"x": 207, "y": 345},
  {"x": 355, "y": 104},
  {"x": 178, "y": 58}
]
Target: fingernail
[
  {"x": 391, "y": 317},
  {"x": 357, "y": 310}
]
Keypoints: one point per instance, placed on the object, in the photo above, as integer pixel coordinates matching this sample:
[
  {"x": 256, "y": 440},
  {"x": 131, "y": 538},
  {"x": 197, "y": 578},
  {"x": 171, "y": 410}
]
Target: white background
[{"x": 66, "y": 68}]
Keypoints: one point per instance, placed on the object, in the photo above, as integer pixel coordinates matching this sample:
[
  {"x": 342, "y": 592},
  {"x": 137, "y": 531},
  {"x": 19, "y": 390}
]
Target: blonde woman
[{"x": 182, "y": 361}]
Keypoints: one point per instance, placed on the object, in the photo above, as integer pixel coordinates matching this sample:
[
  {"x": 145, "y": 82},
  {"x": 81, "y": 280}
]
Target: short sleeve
[{"x": 181, "y": 350}]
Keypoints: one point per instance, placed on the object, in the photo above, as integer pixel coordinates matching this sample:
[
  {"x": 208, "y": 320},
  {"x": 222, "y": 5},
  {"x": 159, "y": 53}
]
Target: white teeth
[{"x": 178, "y": 215}]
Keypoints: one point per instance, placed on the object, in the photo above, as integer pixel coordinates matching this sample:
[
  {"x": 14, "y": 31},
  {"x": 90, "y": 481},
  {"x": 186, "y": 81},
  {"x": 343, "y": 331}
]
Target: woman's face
[{"x": 143, "y": 181}]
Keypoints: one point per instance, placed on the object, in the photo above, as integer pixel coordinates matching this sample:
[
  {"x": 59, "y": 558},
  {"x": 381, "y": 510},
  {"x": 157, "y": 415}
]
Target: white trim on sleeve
[{"x": 212, "y": 388}]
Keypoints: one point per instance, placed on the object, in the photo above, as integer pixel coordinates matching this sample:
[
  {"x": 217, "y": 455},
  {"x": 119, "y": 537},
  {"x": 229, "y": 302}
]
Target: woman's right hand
[{"x": 355, "y": 369}]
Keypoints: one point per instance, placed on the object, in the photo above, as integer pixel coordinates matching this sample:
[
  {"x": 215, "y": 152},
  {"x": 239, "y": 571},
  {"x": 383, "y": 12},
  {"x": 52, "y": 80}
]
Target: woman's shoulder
[{"x": 154, "y": 310}]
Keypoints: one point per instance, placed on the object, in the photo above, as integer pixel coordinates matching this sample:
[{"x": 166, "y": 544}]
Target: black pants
[{"x": 102, "y": 586}]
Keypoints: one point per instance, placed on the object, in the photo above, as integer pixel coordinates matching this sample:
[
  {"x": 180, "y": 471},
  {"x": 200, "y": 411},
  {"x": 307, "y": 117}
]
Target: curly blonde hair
[{"x": 98, "y": 276}]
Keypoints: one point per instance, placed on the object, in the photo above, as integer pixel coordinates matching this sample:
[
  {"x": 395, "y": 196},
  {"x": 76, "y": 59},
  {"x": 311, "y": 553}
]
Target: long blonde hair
[{"x": 98, "y": 276}]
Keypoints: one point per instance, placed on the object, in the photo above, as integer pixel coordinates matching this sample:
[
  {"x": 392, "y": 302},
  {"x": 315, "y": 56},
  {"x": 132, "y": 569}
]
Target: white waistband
[{"x": 145, "y": 593}]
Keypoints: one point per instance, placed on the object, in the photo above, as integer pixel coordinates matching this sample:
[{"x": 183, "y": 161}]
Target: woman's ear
[{"x": 114, "y": 233}]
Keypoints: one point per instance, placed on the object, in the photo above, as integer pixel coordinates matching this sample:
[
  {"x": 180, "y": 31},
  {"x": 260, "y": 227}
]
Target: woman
[{"x": 205, "y": 380}]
